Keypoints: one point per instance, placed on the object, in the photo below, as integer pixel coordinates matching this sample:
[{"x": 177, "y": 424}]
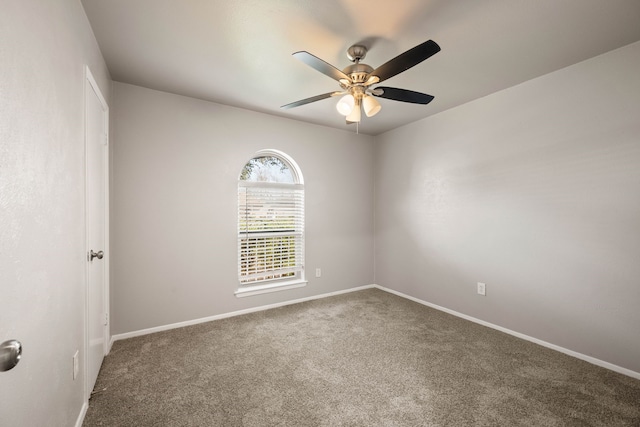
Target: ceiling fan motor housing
[{"x": 358, "y": 72}]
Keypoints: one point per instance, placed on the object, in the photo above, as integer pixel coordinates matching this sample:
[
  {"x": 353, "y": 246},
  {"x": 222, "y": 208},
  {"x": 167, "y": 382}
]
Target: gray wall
[
  {"x": 174, "y": 212},
  {"x": 44, "y": 46},
  {"x": 535, "y": 191}
]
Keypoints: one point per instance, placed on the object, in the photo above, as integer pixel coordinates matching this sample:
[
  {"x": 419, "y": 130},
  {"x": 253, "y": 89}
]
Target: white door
[{"x": 96, "y": 139}]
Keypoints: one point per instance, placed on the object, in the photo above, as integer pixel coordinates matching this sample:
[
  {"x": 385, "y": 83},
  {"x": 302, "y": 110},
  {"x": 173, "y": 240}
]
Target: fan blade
[
  {"x": 403, "y": 95},
  {"x": 320, "y": 65},
  {"x": 406, "y": 60},
  {"x": 310, "y": 100}
]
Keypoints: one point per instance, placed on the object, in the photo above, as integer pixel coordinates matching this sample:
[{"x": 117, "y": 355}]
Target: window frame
[{"x": 271, "y": 189}]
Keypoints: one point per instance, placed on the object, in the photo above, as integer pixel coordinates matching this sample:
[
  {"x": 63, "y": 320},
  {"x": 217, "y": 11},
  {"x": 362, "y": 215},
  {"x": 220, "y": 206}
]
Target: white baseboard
[
  {"x": 231, "y": 314},
  {"x": 575, "y": 354},
  {"x": 593, "y": 360},
  {"x": 83, "y": 412}
]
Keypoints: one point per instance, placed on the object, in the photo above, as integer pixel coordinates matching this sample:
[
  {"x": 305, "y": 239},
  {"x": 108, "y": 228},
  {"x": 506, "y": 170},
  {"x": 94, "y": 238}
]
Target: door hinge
[{"x": 106, "y": 319}]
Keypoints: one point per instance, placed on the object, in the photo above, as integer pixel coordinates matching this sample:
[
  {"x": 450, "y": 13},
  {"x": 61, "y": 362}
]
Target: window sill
[{"x": 247, "y": 291}]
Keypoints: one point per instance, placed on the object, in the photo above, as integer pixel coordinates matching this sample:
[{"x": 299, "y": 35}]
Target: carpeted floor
[{"x": 366, "y": 358}]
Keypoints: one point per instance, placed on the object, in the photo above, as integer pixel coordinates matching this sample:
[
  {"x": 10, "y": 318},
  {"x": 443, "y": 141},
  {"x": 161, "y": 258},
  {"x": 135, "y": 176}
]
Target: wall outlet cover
[{"x": 482, "y": 288}]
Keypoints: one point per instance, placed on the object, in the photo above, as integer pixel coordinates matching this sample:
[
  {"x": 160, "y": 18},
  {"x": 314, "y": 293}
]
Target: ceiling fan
[{"x": 356, "y": 80}]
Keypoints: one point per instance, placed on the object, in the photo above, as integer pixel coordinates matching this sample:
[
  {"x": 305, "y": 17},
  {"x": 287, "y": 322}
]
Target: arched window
[{"x": 270, "y": 224}]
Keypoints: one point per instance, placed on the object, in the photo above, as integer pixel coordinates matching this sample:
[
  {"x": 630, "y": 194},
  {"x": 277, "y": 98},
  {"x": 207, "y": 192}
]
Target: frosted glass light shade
[
  {"x": 371, "y": 106},
  {"x": 345, "y": 105},
  {"x": 355, "y": 114}
]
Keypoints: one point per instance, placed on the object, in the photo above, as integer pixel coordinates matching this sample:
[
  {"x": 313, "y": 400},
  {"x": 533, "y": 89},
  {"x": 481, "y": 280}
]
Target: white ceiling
[{"x": 238, "y": 52}]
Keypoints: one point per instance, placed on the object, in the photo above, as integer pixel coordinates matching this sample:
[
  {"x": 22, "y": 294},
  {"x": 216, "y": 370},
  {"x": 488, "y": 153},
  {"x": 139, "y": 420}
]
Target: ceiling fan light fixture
[
  {"x": 345, "y": 105},
  {"x": 371, "y": 106}
]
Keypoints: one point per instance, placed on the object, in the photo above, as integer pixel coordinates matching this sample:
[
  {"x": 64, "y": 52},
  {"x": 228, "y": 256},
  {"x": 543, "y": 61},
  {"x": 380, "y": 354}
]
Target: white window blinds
[{"x": 270, "y": 231}]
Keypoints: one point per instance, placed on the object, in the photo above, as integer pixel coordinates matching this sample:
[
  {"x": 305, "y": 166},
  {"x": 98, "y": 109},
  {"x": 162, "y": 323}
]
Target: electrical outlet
[
  {"x": 76, "y": 366},
  {"x": 482, "y": 289},
  {"x": 318, "y": 272}
]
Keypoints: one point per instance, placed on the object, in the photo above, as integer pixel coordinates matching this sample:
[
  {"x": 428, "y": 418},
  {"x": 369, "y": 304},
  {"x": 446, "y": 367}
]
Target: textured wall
[
  {"x": 44, "y": 46},
  {"x": 174, "y": 211},
  {"x": 534, "y": 190}
]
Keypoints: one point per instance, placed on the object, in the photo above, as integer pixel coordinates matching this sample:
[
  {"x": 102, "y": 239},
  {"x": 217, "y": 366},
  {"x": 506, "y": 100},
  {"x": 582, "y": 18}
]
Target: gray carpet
[{"x": 366, "y": 358}]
